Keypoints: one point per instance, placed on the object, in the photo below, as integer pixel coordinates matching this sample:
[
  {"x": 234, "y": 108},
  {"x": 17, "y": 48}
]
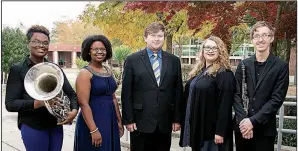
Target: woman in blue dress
[{"x": 98, "y": 126}]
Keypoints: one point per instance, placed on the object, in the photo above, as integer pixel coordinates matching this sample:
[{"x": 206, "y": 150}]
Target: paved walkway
[
  {"x": 12, "y": 141},
  {"x": 11, "y": 137}
]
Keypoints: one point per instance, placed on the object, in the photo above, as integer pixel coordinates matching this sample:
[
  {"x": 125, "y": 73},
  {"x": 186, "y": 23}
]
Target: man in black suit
[
  {"x": 151, "y": 93},
  {"x": 267, "y": 78}
]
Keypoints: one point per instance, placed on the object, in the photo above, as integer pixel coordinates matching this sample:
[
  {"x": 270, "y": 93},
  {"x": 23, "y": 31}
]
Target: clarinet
[{"x": 244, "y": 90}]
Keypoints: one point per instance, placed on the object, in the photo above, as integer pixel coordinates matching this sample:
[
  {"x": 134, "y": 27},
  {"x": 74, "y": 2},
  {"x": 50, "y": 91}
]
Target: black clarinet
[{"x": 244, "y": 90}]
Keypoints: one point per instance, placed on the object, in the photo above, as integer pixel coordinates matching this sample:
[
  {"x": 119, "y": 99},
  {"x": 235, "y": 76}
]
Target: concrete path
[{"x": 12, "y": 141}]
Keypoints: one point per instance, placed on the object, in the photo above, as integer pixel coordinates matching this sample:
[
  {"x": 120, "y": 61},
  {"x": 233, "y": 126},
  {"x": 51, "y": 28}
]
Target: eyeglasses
[
  {"x": 97, "y": 50},
  {"x": 39, "y": 43},
  {"x": 214, "y": 49},
  {"x": 156, "y": 35},
  {"x": 264, "y": 36}
]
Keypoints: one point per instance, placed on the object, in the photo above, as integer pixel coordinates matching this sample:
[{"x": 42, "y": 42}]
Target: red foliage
[
  {"x": 221, "y": 13},
  {"x": 224, "y": 14},
  {"x": 268, "y": 11},
  {"x": 152, "y": 7}
]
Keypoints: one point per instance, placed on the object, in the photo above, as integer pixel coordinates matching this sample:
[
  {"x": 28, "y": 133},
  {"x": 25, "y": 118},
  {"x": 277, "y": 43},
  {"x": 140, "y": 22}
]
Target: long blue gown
[{"x": 104, "y": 115}]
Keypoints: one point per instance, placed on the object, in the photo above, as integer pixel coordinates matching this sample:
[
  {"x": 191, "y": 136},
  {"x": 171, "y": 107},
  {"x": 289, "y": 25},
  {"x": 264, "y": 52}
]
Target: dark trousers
[
  {"x": 211, "y": 146},
  {"x": 42, "y": 140},
  {"x": 257, "y": 143},
  {"x": 155, "y": 141}
]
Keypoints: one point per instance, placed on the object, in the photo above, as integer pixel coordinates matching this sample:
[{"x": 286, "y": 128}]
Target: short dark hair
[
  {"x": 154, "y": 28},
  {"x": 37, "y": 29},
  {"x": 88, "y": 41}
]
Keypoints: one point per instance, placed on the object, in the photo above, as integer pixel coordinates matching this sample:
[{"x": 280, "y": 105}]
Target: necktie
[{"x": 156, "y": 68}]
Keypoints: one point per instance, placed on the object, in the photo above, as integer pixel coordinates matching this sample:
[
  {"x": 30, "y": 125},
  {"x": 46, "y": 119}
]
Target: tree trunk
[
  {"x": 287, "y": 59},
  {"x": 110, "y": 63},
  {"x": 276, "y": 24},
  {"x": 288, "y": 50},
  {"x": 180, "y": 49},
  {"x": 169, "y": 39},
  {"x": 229, "y": 47}
]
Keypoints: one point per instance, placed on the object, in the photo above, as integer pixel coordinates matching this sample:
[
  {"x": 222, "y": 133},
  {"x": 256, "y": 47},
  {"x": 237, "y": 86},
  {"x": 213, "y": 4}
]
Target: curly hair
[
  {"x": 222, "y": 62},
  {"x": 37, "y": 29},
  {"x": 86, "y": 45}
]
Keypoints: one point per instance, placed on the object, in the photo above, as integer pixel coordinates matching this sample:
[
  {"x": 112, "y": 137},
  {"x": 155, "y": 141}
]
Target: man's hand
[
  {"x": 245, "y": 126},
  {"x": 70, "y": 116},
  {"x": 249, "y": 135},
  {"x": 218, "y": 139},
  {"x": 131, "y": 127},
  {"x": 176, "y": 127}
]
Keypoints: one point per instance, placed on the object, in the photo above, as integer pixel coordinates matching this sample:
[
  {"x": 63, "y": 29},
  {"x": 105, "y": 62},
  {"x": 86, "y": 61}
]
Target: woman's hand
[
  {"x": 96, "y": 139},
  {"x": 121, "y": 129}
]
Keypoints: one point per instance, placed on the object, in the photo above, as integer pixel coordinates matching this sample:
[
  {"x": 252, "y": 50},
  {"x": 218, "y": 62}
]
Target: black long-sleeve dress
[{"x": 210, "y": 109}]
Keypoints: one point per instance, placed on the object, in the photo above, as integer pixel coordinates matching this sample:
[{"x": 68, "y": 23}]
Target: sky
[{"x": 37, "y": 12}]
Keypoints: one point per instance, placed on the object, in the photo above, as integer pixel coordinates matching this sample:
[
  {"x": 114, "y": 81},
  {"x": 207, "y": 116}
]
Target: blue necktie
[{"x": 156, "y": 68}]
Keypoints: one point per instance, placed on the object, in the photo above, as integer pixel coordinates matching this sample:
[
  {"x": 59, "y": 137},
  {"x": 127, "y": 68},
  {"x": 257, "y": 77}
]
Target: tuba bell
[{"x": 44, "y": 82}]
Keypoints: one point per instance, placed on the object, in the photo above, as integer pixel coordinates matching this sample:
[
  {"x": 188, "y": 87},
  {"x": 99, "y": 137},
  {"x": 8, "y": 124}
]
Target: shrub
[
  {"x": 81, "y": 63},
  {"x": 186, "y": 68},
  {"x": 288, "y": 139}
]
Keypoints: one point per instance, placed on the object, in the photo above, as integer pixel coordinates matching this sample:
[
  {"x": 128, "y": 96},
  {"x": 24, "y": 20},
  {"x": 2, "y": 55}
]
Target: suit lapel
[
  {"x": 251, "y": 66},
  {"x": 147, "y": 64},
  {"x": 164, "y": 66},
  {"x": 270, "y": 62}
]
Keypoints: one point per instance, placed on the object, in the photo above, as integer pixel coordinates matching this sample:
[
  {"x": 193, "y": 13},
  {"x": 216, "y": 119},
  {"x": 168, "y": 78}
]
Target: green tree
[
  {"x": 81, "y": 63},
  {"x": 119, "y": 54},
  {"x": 182, "y": 33},
  {"x": 14, "y": 48},
  {"x": 240, "y": 35}
]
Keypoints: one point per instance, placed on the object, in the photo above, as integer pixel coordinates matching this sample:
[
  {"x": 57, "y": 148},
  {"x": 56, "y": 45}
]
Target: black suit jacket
[
  {"x": 265, "y": 96},
  {"x": 143, "y": 101}
]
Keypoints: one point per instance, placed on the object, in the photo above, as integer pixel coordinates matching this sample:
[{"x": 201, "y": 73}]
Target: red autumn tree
[
  {"x": 225, "y": 15},
  {"x": 282, "y": 15},
  {"x": 222, "y": 13}
]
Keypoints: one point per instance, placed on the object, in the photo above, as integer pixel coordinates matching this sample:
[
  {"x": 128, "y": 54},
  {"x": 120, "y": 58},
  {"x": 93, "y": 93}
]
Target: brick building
[
  {"x": 293, "y": 61},
  {"x": 64, "y": 54}
]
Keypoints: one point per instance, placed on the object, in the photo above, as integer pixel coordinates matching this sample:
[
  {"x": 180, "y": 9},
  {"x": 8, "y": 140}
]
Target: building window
[
  {"x": 185, "y": 60},
  {"x": 193, "y": 61}
]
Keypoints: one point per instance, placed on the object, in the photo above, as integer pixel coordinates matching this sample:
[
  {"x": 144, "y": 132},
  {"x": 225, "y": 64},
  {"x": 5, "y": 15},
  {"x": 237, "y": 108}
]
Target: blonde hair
[
  {"x": 222, "y": 62},
  {"x": 261, "y": 24}
]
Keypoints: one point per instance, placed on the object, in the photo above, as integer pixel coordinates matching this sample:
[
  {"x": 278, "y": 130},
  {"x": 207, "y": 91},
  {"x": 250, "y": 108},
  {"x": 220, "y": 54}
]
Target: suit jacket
[
  {"x": 265, "y": 96},
  {"x": 143, "y": 101}
]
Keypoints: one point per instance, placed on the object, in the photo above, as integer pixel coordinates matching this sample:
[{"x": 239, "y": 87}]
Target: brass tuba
[{"x": 44, "y": 82}]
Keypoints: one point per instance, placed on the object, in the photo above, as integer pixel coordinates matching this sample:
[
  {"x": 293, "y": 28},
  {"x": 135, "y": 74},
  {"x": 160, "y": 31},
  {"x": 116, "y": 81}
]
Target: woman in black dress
[{"x": 208, "y": 98}]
